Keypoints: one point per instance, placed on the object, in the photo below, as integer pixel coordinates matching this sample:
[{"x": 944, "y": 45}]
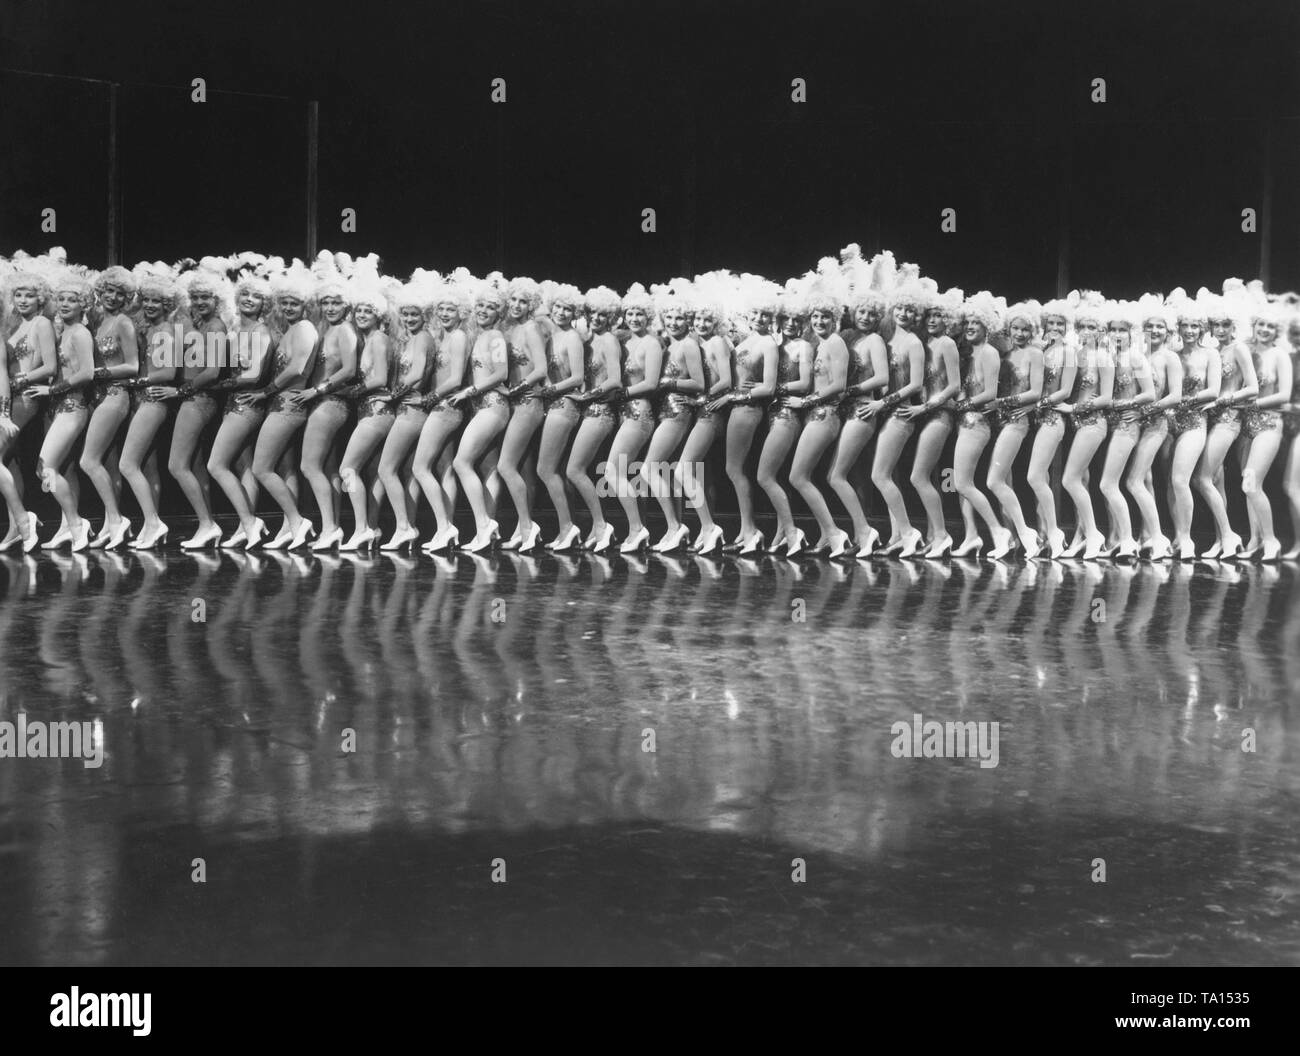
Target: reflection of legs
[
  {"x": 1263, "y": 449},
  {"x": 853, "y": 440},
  {"x": 628, "y": 442},
  {"x": 1005, "y": 448},
  {"x": 191, "y": 419},
  {"x": 139, "y": 466},
  {"x": 402, "y": 438},
  {"x": 741, "y": 427},
  {"x": 273, "y": 441},
  {"x": 483, "y": 429},
  {"x": 591, "y": 434},
  {"x": 556, "y": 431},
  {"x": 322, "y": 427},
  {"x": 1216, "y": 450},
  {"x": 781, "y": 436},
  {"x": 52, "y": 464},
  {"x": 817, "y": 437},
  {"x": 1122, "y": 441},
  {"x": 230, "y": 444},
  {"x": 690, "y": 470},
  {"x": 894, "y": 435},
  {"x": 524, "y": 420},
  {"x": 1046, "y": 442},
  {"x": 101, "y": 431},
  {"x": 657, "y": 469},
  {"x": 1187, "y": 452},
  {"x": 929, "y": 446},
  {"x": 1138, "y": 481},
  {"x": 1074, "y": 478}
]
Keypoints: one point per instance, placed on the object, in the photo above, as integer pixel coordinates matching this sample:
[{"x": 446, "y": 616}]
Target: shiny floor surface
[{"x": 500, "y": 713}]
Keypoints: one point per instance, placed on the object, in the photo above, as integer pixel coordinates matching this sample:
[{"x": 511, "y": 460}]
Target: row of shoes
[{"x": 1088, "y": 546}]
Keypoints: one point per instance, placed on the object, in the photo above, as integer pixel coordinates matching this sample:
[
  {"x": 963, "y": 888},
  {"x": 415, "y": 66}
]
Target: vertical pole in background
[
  {"x": 1266, "y": 207},
  {"x": 114, "y": 254},
  {"x": 1063, "y": 213},
  {"x": 313, "y": 158},
  {"x": 500, "y": 263}
]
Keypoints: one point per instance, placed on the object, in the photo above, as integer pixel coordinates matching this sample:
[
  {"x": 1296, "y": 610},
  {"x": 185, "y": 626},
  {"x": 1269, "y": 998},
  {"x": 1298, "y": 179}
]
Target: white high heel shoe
[
  {"x": 362, "y": 539},
  {"x": 566, "y": 540},
  {"x": 253, "y": 541},
  {"x": 119, "y": 535},
  {"x": 840, "y": 543},
  {"x": 147, "y": 540},
  {"x": 753, "y": 545},
  {"x": 402, "y": 537},
  {"x": 672, "y": 540},
  {"x": 603, "y": 539},
  {"x": 328, "y": 540},
  {"x": 911, "y": 543},
  {"x": 708, "y": 541},
  {"x": 282, "y": 539},
  {"x": 305, "y": 531},
  {"x": 796, "y": 542},
  {"x": 442, "y": 540},
  {"x": 203, "y": 538},
  {"x": 235, "y": 541},
  {"x": 81, "y": 537},
  {"x": 484, "y": 538},
  {"x": 634, "y": 542},
  {"x": 529, "y": 542}
]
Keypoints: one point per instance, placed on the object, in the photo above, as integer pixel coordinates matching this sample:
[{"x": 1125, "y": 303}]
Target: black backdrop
[
  {"x": 612, "y": 108},
  {"x": 683, "y": 107}
]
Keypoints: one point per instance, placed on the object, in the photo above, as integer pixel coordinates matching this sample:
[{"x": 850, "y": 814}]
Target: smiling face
[
  {"x": 761, "y": 321},
  {"x": 1191, "y": 331},
  {"x": 1021, "y": 331},
  {"x": 823, "y": 322},
  {"x": 792, "y": 326},
  {"x": 152, "y": 305},
  {"x": 291, "y": 308},
  {"x": 1088, "y": 330},
  {"x": 1055, "y": 327},
  {"x": 519, "y": 306},
  {"x": 1221, "y": 329},
  {"x": 27, "y": 301},
  {"x": 936, "y": 323},
  {"x": 204, "y": 303},
  {"x": 866, "y": 317},
  {"x": 69, "y": 305},
  {"x": 448, "y": 314},
  {"x": 675, "y": 322},
  {"x": 601, "y": 322},
  {"x": 706, "y": 323},
  {"x": 365, "y": 316},
  {"x": 1155, "y": 331},
  {"x": 333, "y": 308},
  {"x": 635, "y": 318},
  {"x": 905, "y": 316},
  {"x": 112, "y": 298},
  {"x": 1265, "y": 331},
  {"x": 562, "y": 314},
  {"x": 975, "y": 332},
  {"x": 412, "y": 318},
  {"x": 486, "y": 313},
  {"x": 251, "y": 303}
]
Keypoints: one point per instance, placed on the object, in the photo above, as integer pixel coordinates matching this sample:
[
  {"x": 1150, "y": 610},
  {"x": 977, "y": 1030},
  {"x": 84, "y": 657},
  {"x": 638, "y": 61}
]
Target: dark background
[{"x": 612, "y": 108}]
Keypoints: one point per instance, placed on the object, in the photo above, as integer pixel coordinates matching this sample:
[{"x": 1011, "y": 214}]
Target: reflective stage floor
[{"x": 501, "y": 710}]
